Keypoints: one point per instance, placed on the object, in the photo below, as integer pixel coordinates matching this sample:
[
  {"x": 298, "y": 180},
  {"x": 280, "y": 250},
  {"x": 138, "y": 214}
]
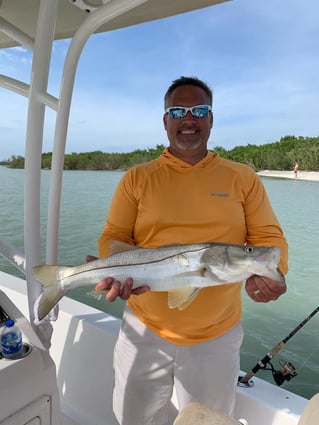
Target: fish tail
[{"x": 50, "y": 278}]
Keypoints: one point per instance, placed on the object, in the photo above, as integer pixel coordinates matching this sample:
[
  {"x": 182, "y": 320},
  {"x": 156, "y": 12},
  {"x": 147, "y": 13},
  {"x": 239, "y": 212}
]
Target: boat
[{"x": 64, "y": 375}]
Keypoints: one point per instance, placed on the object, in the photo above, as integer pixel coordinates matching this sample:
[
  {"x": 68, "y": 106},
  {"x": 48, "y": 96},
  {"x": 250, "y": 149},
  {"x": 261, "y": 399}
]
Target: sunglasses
[{"x": 180, "y": 112}]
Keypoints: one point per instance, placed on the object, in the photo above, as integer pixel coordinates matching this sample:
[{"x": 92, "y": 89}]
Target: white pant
[{"x": 147, "y": 367}]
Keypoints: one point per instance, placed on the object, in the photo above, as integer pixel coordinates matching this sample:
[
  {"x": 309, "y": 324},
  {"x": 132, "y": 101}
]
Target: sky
[{"x": 261, "y": 59}]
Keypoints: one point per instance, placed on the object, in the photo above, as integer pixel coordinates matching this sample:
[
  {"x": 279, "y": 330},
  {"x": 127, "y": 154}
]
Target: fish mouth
[
  {"x": 271, "y": 258},
  {"x": 276, "y": 255}
]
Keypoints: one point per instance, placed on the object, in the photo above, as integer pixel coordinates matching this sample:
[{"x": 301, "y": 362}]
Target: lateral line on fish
[{"x": 79, "y": 271}]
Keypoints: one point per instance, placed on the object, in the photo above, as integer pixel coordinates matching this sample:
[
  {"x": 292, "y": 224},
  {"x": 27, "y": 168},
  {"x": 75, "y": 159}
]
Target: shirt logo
[{"x": 220, "y": 195}]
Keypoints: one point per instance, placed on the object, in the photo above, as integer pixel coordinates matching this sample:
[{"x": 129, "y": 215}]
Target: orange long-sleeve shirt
[{"x": 167, "y": 201}]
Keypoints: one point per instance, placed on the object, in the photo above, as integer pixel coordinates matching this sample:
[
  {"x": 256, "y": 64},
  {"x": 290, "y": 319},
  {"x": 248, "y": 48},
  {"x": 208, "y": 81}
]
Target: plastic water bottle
[{"x": 11, "y": 340}]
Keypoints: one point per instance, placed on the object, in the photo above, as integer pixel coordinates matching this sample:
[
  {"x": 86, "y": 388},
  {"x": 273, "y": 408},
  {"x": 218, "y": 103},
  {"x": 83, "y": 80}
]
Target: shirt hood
[{"x": 171, "y": 160}]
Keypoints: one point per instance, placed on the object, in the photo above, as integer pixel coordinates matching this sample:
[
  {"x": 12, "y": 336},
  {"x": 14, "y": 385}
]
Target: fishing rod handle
[{"x": 262, "y": 363}]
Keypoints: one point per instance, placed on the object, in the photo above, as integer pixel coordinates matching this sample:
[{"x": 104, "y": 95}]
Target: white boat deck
[{"x": 82, "y": 350}]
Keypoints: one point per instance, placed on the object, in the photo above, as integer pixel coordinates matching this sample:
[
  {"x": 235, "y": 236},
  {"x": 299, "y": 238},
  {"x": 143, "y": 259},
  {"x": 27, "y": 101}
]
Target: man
[{"x": 187, "y": 195}]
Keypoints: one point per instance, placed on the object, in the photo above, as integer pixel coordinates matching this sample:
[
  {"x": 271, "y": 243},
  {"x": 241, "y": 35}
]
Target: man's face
[{"x": 188, "y": 135}]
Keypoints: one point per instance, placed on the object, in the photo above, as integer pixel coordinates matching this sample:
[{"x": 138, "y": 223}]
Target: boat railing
[
  {"x": 12, "y": 254},
  {"x": 39, "y": 99}
]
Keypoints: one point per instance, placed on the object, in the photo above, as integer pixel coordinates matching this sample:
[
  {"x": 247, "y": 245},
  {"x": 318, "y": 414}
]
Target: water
[{"x": 85, "y": 202}]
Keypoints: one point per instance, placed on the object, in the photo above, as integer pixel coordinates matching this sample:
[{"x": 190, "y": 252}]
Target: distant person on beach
[
  {"x": 296, "y": 169},
  {"x": 187, "y": 195}
]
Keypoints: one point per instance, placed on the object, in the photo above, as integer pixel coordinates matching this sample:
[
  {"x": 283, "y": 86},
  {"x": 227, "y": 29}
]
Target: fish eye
[{"x": 249, "y": 249}]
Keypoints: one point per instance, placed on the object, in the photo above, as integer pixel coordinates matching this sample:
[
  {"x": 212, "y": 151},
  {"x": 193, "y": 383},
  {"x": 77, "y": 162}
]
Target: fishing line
[
  {"x": 287, "y": 371},
  {"x": 309, "y": 357}
]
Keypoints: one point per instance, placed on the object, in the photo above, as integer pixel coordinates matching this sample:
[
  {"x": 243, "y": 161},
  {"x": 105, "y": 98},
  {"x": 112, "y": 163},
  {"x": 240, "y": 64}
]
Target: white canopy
[{"x": 72, "y": 13}]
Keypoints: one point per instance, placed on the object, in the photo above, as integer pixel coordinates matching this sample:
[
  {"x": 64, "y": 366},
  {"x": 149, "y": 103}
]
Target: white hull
[{"x": 82, "y": 350}]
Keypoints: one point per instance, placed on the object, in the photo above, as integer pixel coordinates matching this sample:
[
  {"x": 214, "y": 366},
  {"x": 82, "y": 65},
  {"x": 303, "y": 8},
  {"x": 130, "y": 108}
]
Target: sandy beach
[{"x": 302, "y": 175}]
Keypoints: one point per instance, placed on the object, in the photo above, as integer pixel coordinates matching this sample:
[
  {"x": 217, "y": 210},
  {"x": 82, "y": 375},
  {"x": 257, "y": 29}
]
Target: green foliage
[
  {"x": 16, "y": 162},
  {"x": 280, "y": 155}
]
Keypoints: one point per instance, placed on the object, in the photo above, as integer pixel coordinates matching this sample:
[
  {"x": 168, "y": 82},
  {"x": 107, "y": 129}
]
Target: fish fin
[
  {"x": 190, "y": 300},
  {"x": 182, "y": 297},
  {"x": 49, "y": 277},
  {"x": 120, "y": 246}
]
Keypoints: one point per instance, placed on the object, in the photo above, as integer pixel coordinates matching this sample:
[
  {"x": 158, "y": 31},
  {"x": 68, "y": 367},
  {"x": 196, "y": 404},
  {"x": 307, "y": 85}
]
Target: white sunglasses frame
[{"x": 188, "y": 109}]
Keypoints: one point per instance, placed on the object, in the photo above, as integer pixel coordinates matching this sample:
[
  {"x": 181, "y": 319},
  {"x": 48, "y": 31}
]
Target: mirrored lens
[
  {"x": 200, "y": 111},
  {"x": 177, "y": 113}
]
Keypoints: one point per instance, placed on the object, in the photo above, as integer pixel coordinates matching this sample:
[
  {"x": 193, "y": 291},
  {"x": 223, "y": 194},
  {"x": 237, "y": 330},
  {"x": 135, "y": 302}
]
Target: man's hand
[
  {"x": 263, "y": 289},
  {"x": 115, "y": 287}
]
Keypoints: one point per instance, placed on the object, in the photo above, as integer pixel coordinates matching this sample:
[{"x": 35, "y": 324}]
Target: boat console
[{"x": 28, "y": 384}]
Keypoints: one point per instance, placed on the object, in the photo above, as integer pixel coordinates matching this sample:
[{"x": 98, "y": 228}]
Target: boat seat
[
  {"x": 198, "y": 414},
  {"x": 310, "y": 416}
]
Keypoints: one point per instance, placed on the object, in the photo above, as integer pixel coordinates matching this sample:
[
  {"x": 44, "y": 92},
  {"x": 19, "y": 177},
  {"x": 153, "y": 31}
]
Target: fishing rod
[{"x": 287, "y": 371}]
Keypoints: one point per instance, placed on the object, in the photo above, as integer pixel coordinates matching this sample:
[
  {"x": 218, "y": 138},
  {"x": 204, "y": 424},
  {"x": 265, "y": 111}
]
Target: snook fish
[{"x": 181, "y": 270}]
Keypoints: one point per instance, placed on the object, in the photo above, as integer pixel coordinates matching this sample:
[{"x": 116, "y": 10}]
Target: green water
[{"x": 85, "y": 202}]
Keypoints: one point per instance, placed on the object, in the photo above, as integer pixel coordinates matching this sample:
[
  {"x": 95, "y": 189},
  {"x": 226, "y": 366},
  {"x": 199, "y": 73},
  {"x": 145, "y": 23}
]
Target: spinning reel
[{"x": 286, "y": 372}]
